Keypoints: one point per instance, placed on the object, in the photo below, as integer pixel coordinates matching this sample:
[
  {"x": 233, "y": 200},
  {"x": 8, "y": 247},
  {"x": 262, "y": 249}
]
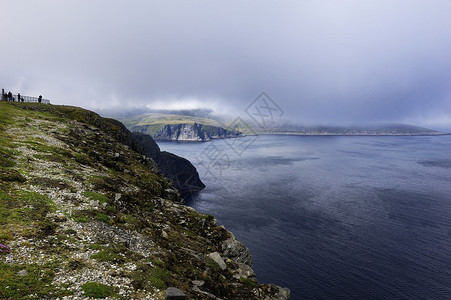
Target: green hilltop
[{"x": 154, "y": 121}]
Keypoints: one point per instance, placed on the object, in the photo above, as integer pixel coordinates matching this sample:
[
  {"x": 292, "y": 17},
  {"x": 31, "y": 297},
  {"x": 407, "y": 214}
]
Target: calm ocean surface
[{"x": 334, "y": 217}]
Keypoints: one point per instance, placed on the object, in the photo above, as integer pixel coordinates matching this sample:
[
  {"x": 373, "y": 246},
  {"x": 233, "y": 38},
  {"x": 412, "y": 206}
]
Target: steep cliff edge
[
  {"x": 186, "y": 132},
  {"x": 85, "y": 214},
  {"x": 178, "y": 169}
]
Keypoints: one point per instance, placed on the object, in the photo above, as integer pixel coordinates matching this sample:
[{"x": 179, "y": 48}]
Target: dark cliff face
[
  {"x": 150, "y": 147},
  {"x": 181, "y": 172},
  {"x": 178, "y": 169}
]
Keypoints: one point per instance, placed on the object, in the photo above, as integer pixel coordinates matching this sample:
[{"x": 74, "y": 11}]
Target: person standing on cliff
[
  {"x": 10, "y": 96},
  {"x": 18, "y": 97},
  {"x": 40, "y": 99}
]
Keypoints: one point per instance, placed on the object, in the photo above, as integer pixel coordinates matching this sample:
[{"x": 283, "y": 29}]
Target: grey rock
[
  {"x": 180, "y": 132},
  {"x": 207, "y": 295},
  {"x": 217, "y": 258},
  {"x": 236, "y": 251},
  {"x": 244, "y": 271},
  {"x": 164, "y": 234},
  {"x": 198, "y": 282},
  {"x": 22, "y": 273},
  {"x": 174, "y": 293},
  {"x": 283, "y": 294},
  {"x": 171, "y": 194},
  {"x": 106, "y": 233},
  {"x": 57, "y": 217}
]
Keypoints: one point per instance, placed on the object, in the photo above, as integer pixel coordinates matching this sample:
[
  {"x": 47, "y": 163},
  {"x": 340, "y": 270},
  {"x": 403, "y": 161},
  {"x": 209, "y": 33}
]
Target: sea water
[{"x": 334, "y": 217}]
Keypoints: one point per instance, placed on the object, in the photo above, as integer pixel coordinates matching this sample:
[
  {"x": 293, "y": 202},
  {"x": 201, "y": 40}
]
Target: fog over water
[{"x": 321, "y": 61}]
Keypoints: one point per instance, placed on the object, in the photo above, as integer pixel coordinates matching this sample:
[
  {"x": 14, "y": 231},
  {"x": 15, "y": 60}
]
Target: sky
[{"x": 321, "y": 62}]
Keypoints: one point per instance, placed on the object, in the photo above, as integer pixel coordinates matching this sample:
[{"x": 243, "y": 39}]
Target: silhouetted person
[
  {"x": 18, "y": 97},
  {"x": 10, "y": 96},
  {"x": 40, "y": 99}
]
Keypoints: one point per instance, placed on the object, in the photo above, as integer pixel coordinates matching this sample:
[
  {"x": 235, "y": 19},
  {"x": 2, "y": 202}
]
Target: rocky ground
[{"x": 84, "y": 214}]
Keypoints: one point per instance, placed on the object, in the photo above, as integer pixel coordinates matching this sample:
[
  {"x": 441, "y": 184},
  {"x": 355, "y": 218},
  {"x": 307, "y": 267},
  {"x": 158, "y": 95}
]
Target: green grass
[
  {"x": 37, "y": 282},
  {"x": 82, "y": 219},
  {"x": 82, "y": 216},
  {"x": 147, "y": 277},
  {"x": 23, "y": 212},
  {"x": 101, "y": 198},
  {"x": 102, "y": 217},
  {"x": 248, "y": 282},
  {"x": 113, "y": 252},
  {"x": 98, "y": 290},
  {"x": 163, "y": 119},
  {"x": 11, "y": 175},
  {"x": 107, "y": 255},
  {"x": 207, "y": 217},
  {"x": 82, "y": 159}
]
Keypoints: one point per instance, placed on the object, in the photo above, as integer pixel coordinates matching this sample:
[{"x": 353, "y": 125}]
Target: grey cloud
[{"x": 322, "y": 61}]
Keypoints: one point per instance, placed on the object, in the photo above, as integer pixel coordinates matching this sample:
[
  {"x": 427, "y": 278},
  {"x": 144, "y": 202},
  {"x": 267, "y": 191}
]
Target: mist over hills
[
  {"x": 204, "y": 125},
  {"x": 364, "y": 129}
]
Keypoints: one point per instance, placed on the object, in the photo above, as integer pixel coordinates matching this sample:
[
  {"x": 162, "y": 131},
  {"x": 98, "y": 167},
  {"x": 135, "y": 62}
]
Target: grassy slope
[
  {"x": 152, "y": 122},
  {"x": 165, "y": 119},
  {"x": 85, "y": 216}
]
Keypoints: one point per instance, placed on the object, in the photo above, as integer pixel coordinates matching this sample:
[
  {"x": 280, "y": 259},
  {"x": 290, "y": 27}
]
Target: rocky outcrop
[
  {"x": 235, "y": 250},
  {"x": 178, "y": 169},
  {"x": 193, "y": 133},
  {"x": 181, "y": 172},
  {"x": 180, "y": 132}
]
